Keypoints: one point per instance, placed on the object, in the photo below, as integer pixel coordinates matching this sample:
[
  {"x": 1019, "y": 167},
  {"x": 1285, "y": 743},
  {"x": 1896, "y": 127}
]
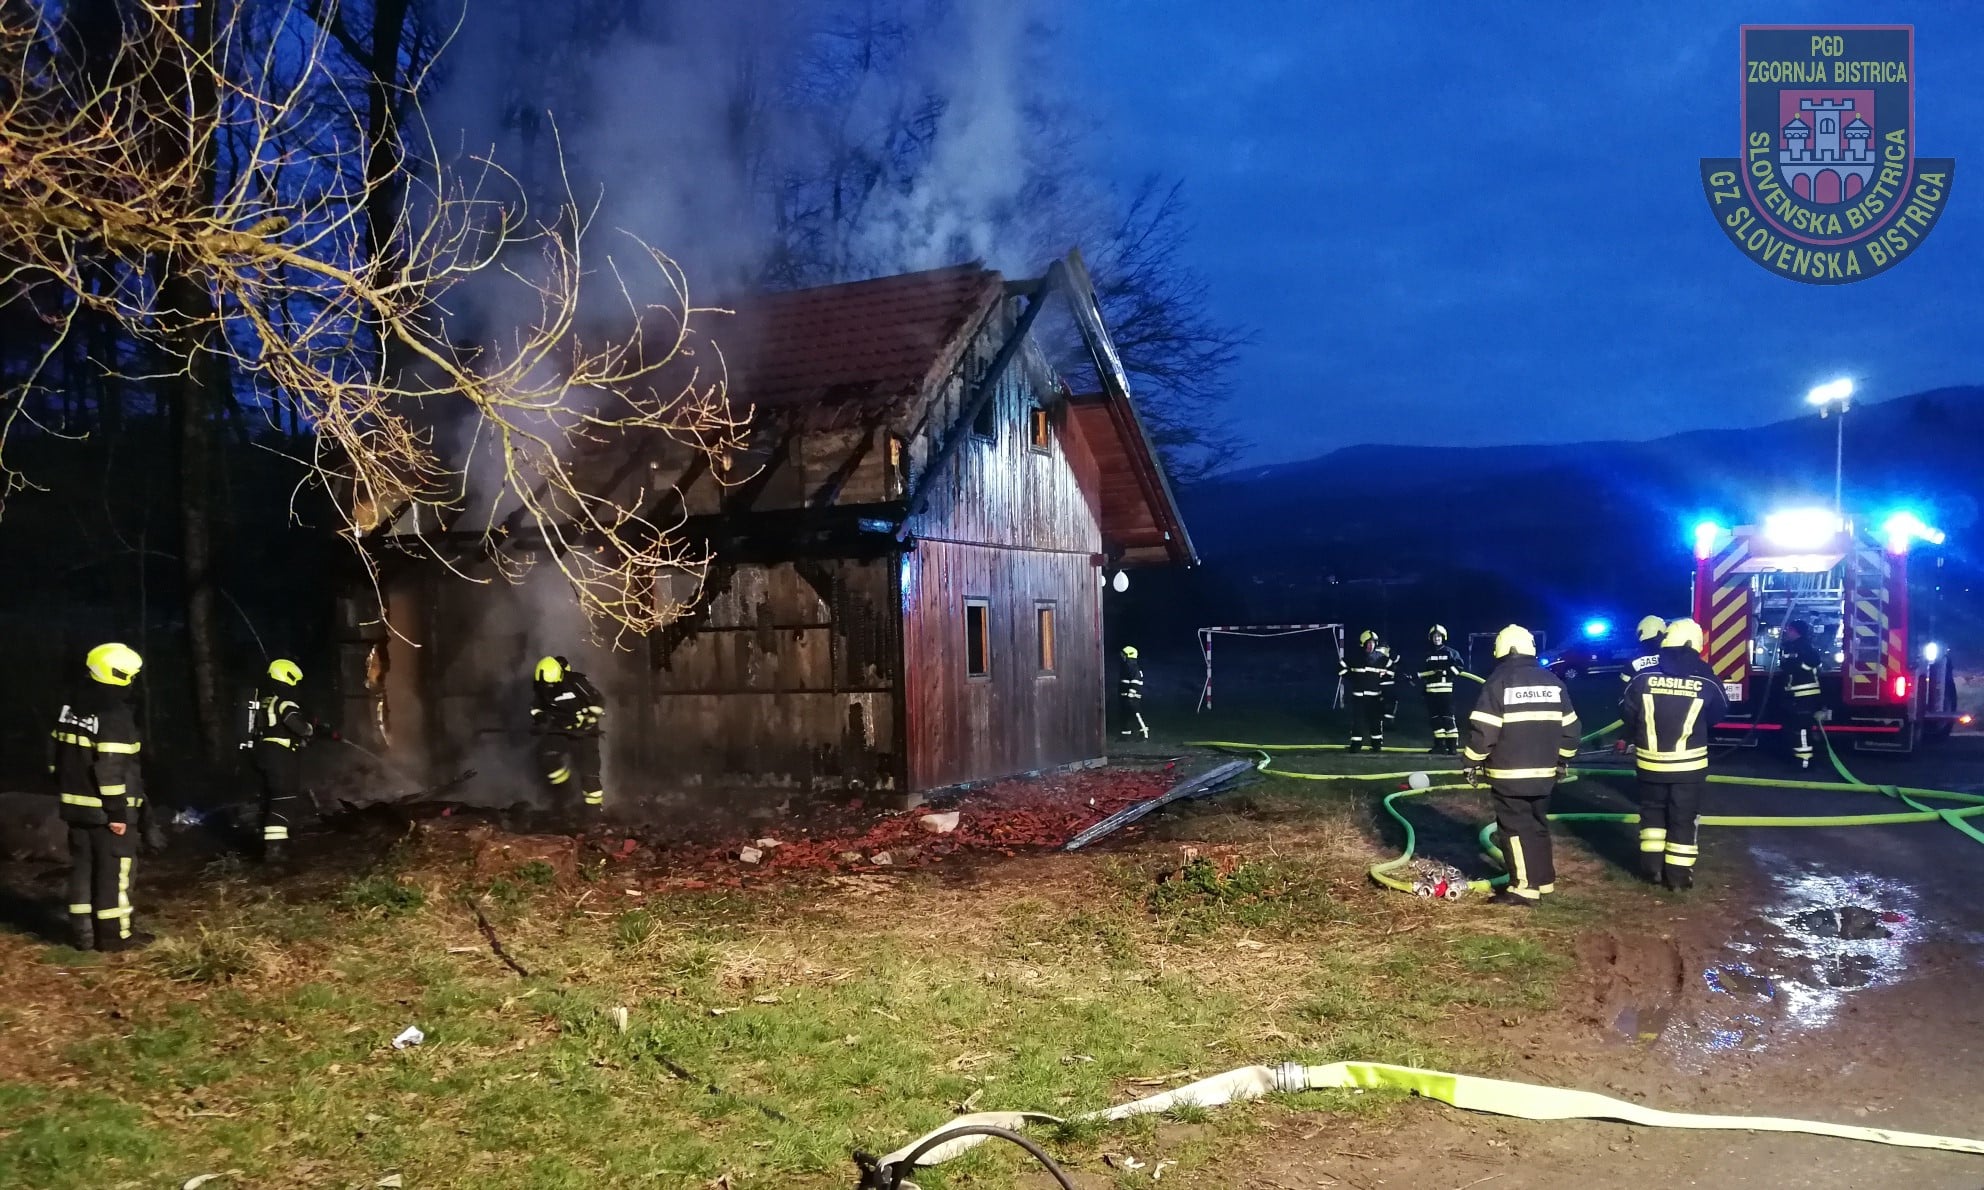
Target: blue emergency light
[{"x": 1595, "y": 629}]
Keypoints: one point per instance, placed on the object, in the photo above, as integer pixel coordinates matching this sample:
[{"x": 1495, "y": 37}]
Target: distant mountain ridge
[{"x": 1568, "y": 527}]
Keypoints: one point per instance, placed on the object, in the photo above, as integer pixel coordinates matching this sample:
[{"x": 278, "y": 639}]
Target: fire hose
[
  {"x": 1526, "y": 1101},
  {"x": 1386, "y": 872}
]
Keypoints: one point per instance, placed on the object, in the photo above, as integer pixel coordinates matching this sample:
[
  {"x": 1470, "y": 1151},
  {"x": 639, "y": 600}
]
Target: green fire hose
[{"x": 1384, "y": 873}]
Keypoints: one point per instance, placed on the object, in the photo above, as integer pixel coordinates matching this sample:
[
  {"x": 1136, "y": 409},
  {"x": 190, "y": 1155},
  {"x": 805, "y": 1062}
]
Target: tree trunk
[{"x": 195, "y": 417}]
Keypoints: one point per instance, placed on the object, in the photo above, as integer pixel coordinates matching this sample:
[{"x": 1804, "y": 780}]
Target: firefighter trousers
[
  {"x": 281, "y": 773},
  {"x": 1367, "y": 721},
  {"x": 1523, "y": 820},
  {"x": 1801, "y": 728},
  {"x": 1130, "y": 716},
  {"x": 571, "y": 762},
  {"x": 1669, "y": 843},
  {"x": 100, "y": 868},
  {"x": 1440, "y": 717}
]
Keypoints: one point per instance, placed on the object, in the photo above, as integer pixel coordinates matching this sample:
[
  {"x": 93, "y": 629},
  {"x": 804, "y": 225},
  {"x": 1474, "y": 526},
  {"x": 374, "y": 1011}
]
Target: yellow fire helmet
[
  {"x": 1514, "y": 639},
  {"x": 114, "y": 664},
  {"x": 1651, "y": 627},
  {"x": 285, "y": 671},
  {"x": 1130, "y": 651},
  {"x": 1437, "y": 634},
  {"x": 551, "y": 669},
  {"x": 1683, "y": 634},
  {"x": 1367, "y": 638}
]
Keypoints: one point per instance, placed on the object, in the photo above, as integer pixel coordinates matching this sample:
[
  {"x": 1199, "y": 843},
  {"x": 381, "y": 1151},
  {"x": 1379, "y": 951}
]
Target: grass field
[{"x": 766, "y": 1032}]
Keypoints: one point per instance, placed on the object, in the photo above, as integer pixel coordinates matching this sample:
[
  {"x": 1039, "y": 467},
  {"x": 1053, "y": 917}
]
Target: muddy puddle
[{"x": 1820, "y": 937}]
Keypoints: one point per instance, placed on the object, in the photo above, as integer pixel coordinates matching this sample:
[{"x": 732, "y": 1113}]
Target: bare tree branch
[{"x": 478, "y": 432}]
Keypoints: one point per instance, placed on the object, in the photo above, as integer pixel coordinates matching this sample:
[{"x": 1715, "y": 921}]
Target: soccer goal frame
[{"x": 1264, "y": 631}]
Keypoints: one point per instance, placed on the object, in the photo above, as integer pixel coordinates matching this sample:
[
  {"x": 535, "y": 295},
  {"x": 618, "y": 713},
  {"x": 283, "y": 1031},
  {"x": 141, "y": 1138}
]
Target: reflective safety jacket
[
  {"x": 1799, "y": 663},
  {"x": 1641, "y": 663},
  {"x": 1668, "y": 713},
  {"x": 569, "y": 707},
  {"x": 95, "y": 759},
  {"x": 1441, "y": 667},
  {"x": 279, "y": 721},
  {"x": 1523, "y": 727},
  {"x": 1368, "y": 675},
  {"x": 1129, "y": 679}
]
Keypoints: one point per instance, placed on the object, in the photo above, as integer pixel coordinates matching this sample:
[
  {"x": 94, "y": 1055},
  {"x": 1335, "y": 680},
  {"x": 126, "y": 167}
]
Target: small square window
[
  {"x": 986, "y": 424},
  {"x": 1043, "y": 631},
  {"x": 977, "y": 638},
  {"x": 1039, "y": 430}
]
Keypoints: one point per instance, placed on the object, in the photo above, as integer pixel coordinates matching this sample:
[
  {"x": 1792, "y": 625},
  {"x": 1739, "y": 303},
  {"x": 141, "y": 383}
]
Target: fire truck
[{"x": 1886, "y": 683}]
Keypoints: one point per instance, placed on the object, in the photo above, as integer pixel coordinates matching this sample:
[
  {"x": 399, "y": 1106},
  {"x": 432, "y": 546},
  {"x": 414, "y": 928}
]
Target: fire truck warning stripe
[
  {"x": 1722, "y": 642},
  {"x": 1723, "y": 612},
  {"x": 1731, "y": 557}
]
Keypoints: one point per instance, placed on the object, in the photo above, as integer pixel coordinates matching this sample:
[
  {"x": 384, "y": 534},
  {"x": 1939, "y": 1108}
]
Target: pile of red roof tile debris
[{"x": 1006, "y": 818}]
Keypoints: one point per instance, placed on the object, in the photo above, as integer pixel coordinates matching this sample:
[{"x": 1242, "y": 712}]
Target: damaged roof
[{"x": 860, "y": 347}]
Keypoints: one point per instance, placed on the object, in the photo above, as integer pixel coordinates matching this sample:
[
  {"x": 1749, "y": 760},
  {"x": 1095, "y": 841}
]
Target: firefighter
[
  {"x": 1798, "y": 668},
  {"x": 1522, "y": 735},
  {"x": 281, "y": 733},
  {"x": 96, "y": 771},
  {"x": 1365, "y": 683},
  {"x": 1130, "y": 695},
  {"x": 565, "y": 715},
  {"x": 1668, "y": 713},
  {"x": 1436, "y": 677},
  {"x": 1651, "y": 629},
  {"x": 1388, "y": 686}
]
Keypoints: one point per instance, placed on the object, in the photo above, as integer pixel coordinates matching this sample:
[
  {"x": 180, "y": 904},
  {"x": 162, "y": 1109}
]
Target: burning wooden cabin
[{"x": 906, "y": 594}]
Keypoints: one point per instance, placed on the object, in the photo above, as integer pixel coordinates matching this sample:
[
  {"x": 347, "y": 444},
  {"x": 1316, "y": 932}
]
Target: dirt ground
[{"x": 1732, "y": 1003}]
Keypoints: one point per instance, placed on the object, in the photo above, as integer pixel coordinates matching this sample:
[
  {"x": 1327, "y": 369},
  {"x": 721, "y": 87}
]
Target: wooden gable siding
[
  {"x": 1018, "y": 528},
  {"x": 1002, "y": 491}
]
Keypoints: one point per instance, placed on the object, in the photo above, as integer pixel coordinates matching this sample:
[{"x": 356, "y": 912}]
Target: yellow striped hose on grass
[{"x": 1502, "y": 1097}]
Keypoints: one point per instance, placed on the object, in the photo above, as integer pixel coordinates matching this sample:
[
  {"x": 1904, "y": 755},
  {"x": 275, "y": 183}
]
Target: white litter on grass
[
  {"x": 191, "y": 817},
  {"x": 194, "y": 1183},
  {"x": 1419, "y": 781},
  {"x": 390, "y": 1182},
  {"x": 749, "y": 855},
  {"x": 768, "y": 844},
  {"x": 620, "y": 1017},
  {"x": 411, "y": 1036},
  {"x": 882, "y": 859}
]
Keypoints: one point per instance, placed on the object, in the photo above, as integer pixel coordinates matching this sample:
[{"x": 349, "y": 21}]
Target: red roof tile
[{"x": 862, "y": 343}]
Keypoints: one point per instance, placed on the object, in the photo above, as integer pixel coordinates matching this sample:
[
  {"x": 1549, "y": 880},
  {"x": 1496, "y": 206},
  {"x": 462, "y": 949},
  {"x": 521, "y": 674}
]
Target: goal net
[{"x": 1333, "y": 633}]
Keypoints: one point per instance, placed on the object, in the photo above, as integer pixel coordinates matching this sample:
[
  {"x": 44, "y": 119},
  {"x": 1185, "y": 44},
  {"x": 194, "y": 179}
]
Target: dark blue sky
[{"x": 1452, "y": 223}]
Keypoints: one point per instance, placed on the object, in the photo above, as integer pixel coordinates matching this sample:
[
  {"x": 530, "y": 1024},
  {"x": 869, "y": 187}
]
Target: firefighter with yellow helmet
[
  {"x": 1668, "y": 713},
  {"x": 281, "y": 732},
  {"x": 565, "y": 715},
  {"x": 1442, "y": 664},
  {"x": 95, "y": 763},
  {"x": 1522, "y": 735},
  {"x": 1130, "y": 695},
  {"x": 1651, "y": 630},
  {"x": 1367, "y": 674}
]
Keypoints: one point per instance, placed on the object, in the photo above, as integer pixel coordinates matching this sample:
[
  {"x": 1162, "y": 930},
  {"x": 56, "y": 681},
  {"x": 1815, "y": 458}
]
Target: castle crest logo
[{"x": 1829, "y": 188}]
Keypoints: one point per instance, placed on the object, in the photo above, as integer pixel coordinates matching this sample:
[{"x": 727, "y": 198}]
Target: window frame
[
  {"x": 985, "y": 427},
  {"x": 983, "y": 605},
  {"x": 1046, "y": 646}
]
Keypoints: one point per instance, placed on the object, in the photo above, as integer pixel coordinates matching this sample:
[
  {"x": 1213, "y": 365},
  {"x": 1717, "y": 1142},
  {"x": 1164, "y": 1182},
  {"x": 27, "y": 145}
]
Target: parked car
[{"x": 1585, "y": 656}]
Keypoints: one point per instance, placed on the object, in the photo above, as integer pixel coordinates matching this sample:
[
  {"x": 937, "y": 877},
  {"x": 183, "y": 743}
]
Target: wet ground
[{"x": 1836, "y": 974}]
